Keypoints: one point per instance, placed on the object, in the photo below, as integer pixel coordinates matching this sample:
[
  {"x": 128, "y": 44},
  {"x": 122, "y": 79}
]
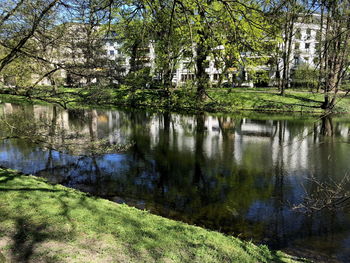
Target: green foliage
[
  {"x": 260, "y": 77},
  {"x": 305, "y": 76},
  {"x": 19, "y": 72},
  {"x": 139, "y": 79},
  {"x": 233, "y": 34},
  {"x": 185, "y": 97}
]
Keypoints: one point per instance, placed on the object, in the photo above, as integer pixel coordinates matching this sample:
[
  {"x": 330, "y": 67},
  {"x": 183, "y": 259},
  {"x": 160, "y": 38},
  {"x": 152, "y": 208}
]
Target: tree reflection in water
[{"x": 229, "y": 173}]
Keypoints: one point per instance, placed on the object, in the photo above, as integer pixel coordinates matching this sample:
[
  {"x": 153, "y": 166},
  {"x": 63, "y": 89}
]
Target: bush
[
  {"x": 305, "y": 76},
  {"x": 140, "y": 79},
  {"x": 260, "y": 78}
]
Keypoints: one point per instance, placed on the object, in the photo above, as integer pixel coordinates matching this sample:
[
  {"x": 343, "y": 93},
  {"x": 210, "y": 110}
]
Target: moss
[{"x": 41, "y": 222}]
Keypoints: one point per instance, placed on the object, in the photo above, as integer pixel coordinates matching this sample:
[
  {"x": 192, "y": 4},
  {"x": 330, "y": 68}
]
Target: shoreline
[
  {"x": 243, "y": 104},
  {"x": 58, "y": 220}
]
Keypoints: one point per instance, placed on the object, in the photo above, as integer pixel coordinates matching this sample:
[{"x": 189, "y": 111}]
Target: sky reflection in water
[{"x": 234, "y": 174}]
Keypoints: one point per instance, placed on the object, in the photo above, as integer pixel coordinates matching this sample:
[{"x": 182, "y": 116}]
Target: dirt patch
[
  {"x": 85, "y": 250},
  {"x": 4, "y": 254}
]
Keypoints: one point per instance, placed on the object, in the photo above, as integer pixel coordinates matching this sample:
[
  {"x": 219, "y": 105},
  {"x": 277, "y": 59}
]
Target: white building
[
  {"x": 305, "y": 45},
  {"x": 304, "y": 51},
  {"x": 306, "y": 42}
]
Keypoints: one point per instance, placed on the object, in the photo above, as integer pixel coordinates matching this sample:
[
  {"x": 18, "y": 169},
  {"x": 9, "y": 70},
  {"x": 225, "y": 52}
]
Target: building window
[
  {"x": 308, "y": 33},
  {"x": 296, "y": 61},
  {"x": 317, "y": 46},
  {"x": 111, "y": 52},
  {"x": 307, "y": 45},
  {"x": 186, "y": 77},
  {"x": 297, "y": 46}
]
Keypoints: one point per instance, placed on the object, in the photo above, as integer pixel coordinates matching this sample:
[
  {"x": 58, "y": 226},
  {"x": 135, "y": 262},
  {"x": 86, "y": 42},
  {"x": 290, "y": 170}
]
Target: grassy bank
[
  {"x": 218, "y": 99},
  {"x": 227, "y": 100},
  {"x": 271, "y": 100},
  {"x": 40, "y": 222}
]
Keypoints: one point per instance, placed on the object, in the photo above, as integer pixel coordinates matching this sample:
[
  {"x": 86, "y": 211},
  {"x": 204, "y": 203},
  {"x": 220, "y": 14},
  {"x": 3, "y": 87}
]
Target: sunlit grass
[
  {"x": 184, "y": 99},
  {"x": 271, "y": 100},
  {"x": 41, "y": 222}
]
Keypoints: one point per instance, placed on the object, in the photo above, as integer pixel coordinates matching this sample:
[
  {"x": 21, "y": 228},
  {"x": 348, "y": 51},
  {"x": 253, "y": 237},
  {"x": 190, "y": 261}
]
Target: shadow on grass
[
  {"x": 30, "y": 226},
  {"x": 283, "y": 105},
  {"x": 26, "y": 237},
  {"x": 34, "y": 223},
  {"x": 7, "y": 176},
  {"x": 43, "y": 218},
  {"x": 302, "y": 98}
]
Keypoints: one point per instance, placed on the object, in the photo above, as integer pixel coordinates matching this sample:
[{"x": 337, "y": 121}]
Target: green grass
[
  {"x": 40, "y": 222},
  {"x": 184, "y": 99},
  {"x": 270, "y": 100},
  {"x": 230, "y": 100}
]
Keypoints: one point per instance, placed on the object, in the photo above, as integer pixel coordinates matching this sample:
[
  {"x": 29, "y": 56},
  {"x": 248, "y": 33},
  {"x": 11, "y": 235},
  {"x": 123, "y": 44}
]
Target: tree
[
  {"x": 132, "y": 27},
  {"x": 87, "y": 31},
  {"x": 170, "y": 38},
  {"x": 305, "y": 75},
  {"x": 56, "y": 36},
  {"x": 28, "y": 40},
  {"x": 19, "y": 22},
  {"x": 288, "y": 14},
  {"x": 335, "y": 54}
]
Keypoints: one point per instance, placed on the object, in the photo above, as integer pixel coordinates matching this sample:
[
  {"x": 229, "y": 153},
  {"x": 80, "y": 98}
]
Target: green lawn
[
  {"x": 40, "y": 222},
  {"x": 184, "y": 99},
  {"x": 270, "y": 100}
]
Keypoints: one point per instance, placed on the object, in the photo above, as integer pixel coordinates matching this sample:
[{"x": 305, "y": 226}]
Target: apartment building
[
  {"x": 305, "y": 45},
  {"x": 108, "y": 57},
  {"x": 185, "y": 70},
  {"x": 306, "y": 41}
]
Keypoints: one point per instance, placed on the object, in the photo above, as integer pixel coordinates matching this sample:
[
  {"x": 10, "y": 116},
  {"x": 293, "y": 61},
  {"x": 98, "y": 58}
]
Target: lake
[{"x": 243, "y": 174}]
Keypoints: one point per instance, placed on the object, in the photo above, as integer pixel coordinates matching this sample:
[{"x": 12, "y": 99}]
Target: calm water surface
[{"x": 235, "y": 174}]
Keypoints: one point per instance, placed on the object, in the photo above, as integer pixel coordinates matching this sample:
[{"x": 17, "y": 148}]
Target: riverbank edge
[
  {"x": 41, "y": 221},
  {"x": 220, "y": 104}
]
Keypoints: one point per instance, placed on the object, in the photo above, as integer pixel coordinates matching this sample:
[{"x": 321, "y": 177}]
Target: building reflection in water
[{"x": 234, "y": 174}]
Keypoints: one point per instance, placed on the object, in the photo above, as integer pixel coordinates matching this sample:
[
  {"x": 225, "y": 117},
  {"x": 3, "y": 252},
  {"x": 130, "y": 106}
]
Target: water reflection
[{"x": 230, "y": 173}]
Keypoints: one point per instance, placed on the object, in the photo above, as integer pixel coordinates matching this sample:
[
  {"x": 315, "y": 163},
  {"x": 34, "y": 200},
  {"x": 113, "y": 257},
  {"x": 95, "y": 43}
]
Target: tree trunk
[
  {"x": 201, "y": 76},
  {"x": 327, "y": 126},
  {"x": 289, "y": 28},
  {"x": 201, "y": 60}
]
